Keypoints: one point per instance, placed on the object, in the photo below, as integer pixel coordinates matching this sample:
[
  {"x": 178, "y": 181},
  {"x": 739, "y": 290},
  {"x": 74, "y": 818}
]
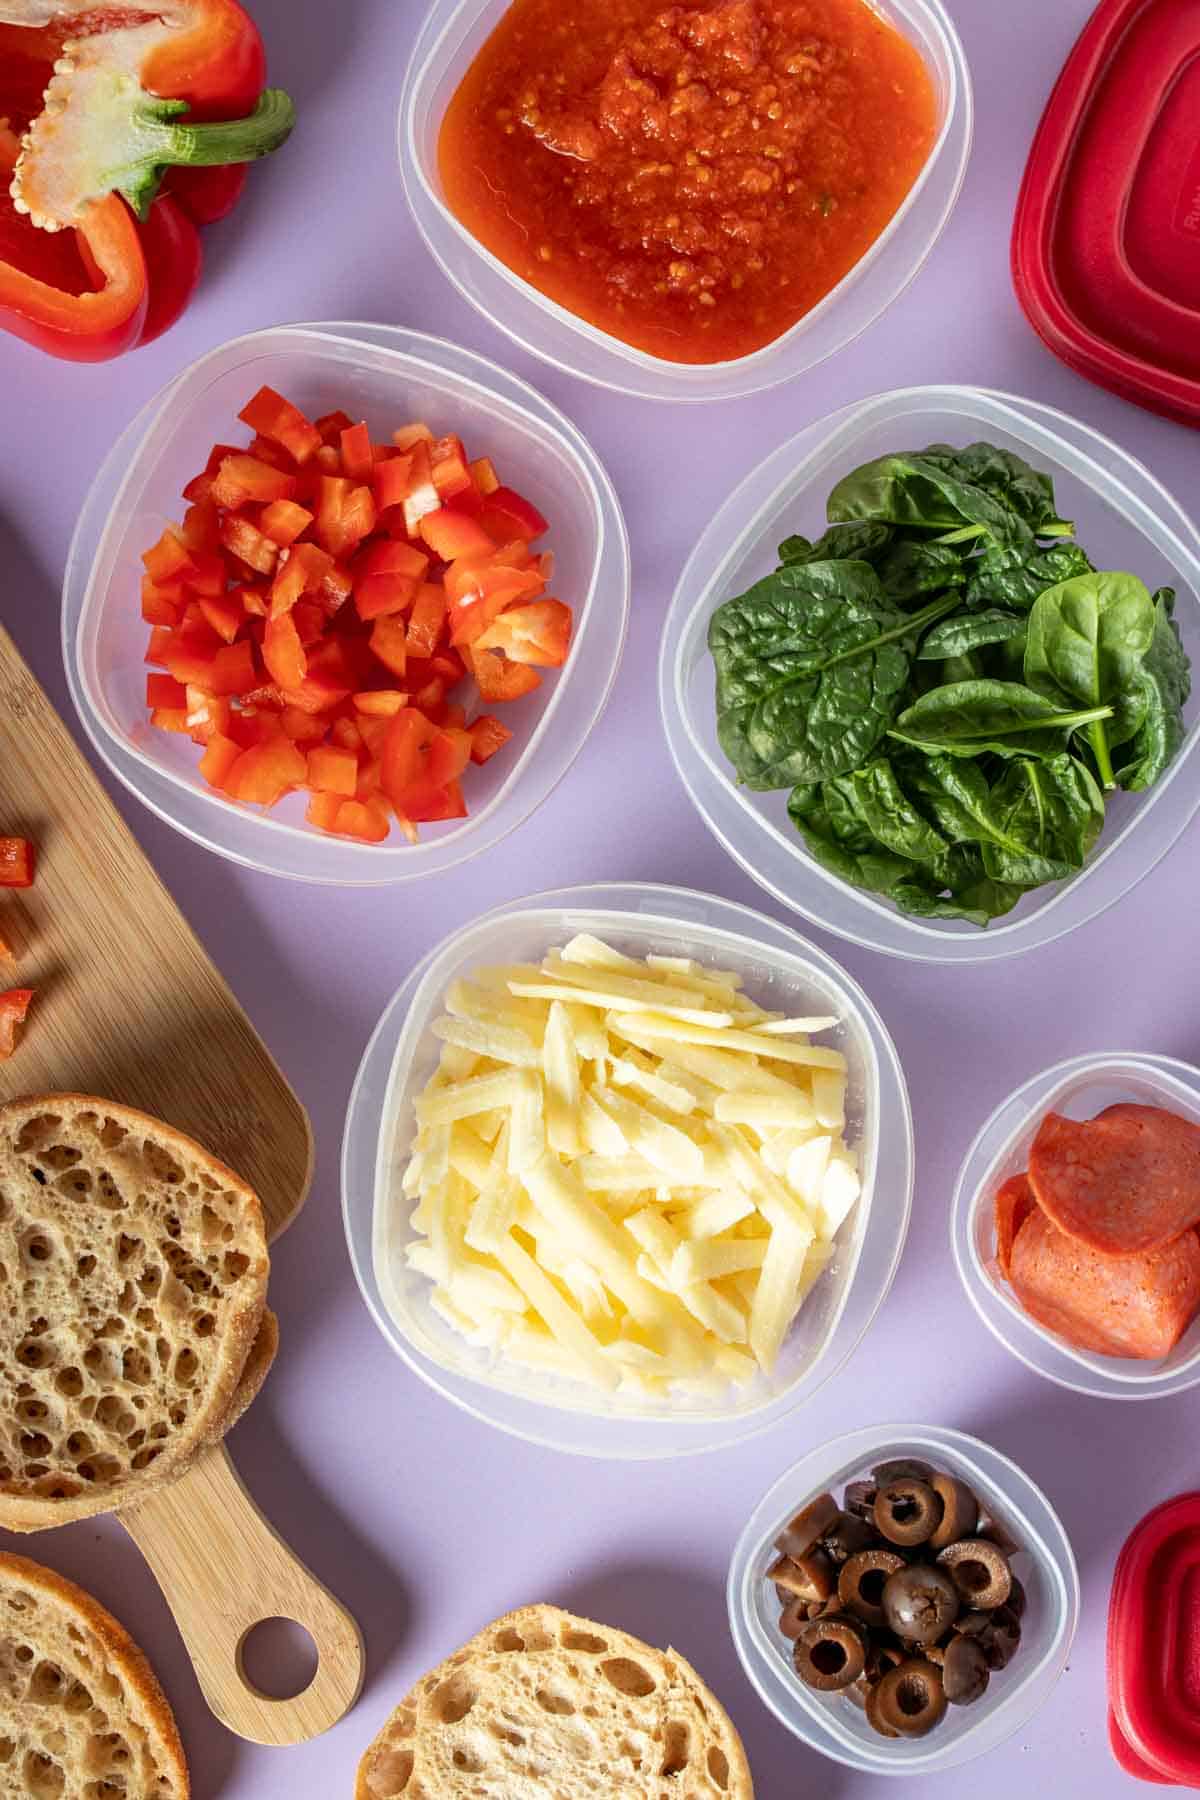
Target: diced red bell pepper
[
  {"x": 426, "y": 620},
  {"x": 241, "y": 479},
  {"x": 365, "y": 819},
  {"x": 208, "y": 574},
  {"x": 487, "y": 736},
  {"x": 161, "y": 639},
  {"x": 263, "y": 774},
  {"x": 357, "y": 459},
  {"x": 168, "y": 559},
  {"x": 306, "y": 567},
  {"x": 225, "y": 614},
  {"x": 201, "y": 528},
  {"x": 422, "y": 496},
  {"x": 498, "y": 678},
  {"x": 451, "y": 471},
  {"x": 277, "y": 419},
  {"x": 161, "y": 605},
  {"x": 539, "y": 633},
  {"x": 387, "y": 557},
  {"x": 389, "y": 636},
  {"x": 170, "y": 718},
  {"x": 405, "y": 750},
  {"x": 451, "y": 534},
  {"x": 441, "y": 804},
  {"x": 283, "y": 652},
  {"x": 332, "y": 424},
  {"x": 391, "y": 481},
  {"x": 380, "y": 594},
  {"x": 254, "y": 599},
  {"x": 248, "y": 544},
  {"x": 483, "y": 473},
  {"x": 509, "y": 515},
  {"x": 283, "y": 521},
  {"x": 333, "y": 771},
  {"x": 336, "y": 587},
  {"x": 276, "y": 457},
  {"x": 480, "y": 589},
  {"x": 220, "y": 755},
  {"x": 302, "y": 727},
  {"x": 208, "y": 715},
  {"x": 323, "y": 811},
  {"x": 14, "y": 1005},
  {"x": 17, "y": 860},
  {"x": 164, "y": 690},
  {"x": 407, "y": 437},
  {"x": 380, "y": 703}
]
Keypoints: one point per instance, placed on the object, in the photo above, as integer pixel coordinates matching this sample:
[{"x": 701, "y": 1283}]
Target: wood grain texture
[
  {"x": 127, "y": 1003},
  {"x": 223, "y": 1570},
  {"x": 128, "y": 1007}
]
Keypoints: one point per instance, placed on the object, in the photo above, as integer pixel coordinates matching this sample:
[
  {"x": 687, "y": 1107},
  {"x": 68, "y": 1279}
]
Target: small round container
[
  {"x": 455, "y": 31},
  {"x": 780, "y": 971},
  {"x": 1080, "y": 1089},
  {"x": 390, "y": 377},
  {"x": 1153, "y": 1633},
  {"x": 831, "y": 1723},
  {"x": 1125, "y": 520}
]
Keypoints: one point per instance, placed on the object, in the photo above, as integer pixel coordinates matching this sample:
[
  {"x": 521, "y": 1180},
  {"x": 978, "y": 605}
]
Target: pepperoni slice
[
  {"x": 1014, "y": 1203},
  {"x": 1130, "y": 1306},
  {"x": 1126, "y": 1181}
]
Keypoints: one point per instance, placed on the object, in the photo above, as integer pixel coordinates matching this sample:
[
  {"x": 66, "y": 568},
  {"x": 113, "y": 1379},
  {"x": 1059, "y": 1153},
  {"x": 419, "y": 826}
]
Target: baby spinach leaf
[
  {"x": 888, "y": 813},
  {"x": 1054, "y": 810},
  {"x": 929, "y": 492},
  {"x": 812, "y": 665},
  {"x": 913, "y": 568},
  {"x": 971, "y": 717},
  {"x": 1014, "y": 578},
  {"x": 841, "y": 543},
  {"x": 1087, "y": 640},
  {"x": 1009, "y": 478},
  {"x": 967, "y": 667},
  {"x": 1166, "y": 684},
  {"x": 966, "y": 631}
]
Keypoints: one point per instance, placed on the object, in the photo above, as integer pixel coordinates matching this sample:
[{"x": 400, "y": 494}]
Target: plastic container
[
  {"x": 453, "y": 33},
  {"x": 391, "y": 377},
  {"x": 1154, "y": 1644},
  {"x": 1080, "y": 1089},
  {"x": 831, "y": 1723},
  {"x": 780, "y": 970},
  {"x": 1126, "y": 520},
  {"x": 1107, "y": 230}
]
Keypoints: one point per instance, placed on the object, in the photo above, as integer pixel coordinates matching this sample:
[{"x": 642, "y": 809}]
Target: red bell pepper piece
[
  {"x": 17, "y": 860},
  {"x": 247, "y": 543},
  {"x": 13, "y": 1007},
  {"x": 500, "y": 679},
  {"x": 277, "y": 420},
  {"x": 426, "y": 619},
  {"x": 451, "y": 534},
  {"x": 487, "y": 736},
  {"x": 220, "y": 754},
  {"x": 333, "y": 771},
  {"x": 242, "y": 478},
  {"x": 174, "y": 261},
  {"x": 380, "y": 703},
  {"x": 509, "y": 515},
  {"x": 283, "y": 522},
  {"x": 539, "y": 633},
  {"x": 357, "y": 460},
  {"x": 283, "y": 652},
  {"x": 263, "y": 774}
]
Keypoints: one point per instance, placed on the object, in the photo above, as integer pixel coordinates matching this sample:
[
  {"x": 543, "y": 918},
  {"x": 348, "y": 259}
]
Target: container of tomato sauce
[{"x": 684, "y": 201}]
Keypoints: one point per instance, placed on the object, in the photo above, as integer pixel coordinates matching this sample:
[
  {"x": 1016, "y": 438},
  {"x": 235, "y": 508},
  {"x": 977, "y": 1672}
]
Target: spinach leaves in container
[{"x": 947, "y": 685}]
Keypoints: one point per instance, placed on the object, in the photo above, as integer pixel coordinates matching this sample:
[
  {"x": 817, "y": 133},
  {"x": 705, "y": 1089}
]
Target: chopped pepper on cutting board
[{"x": 162, "y": 107}]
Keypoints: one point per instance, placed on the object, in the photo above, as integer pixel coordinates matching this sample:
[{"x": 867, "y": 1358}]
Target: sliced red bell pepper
[
  {"x": 333, "y": 771},
  {"x": 13, "y": 1007},
  {"x": 538, "y": 633},
  {"x": 17, "y": 862},
  {"x": 509, "y": 515},
  {"x": 277, "y": 420},
  {"x": 487, "y": 736},
  {"x": 283, "y": 652},
  {"x": 500, "y": 679},
  {"x": 452, "y": 534},
  {"x": 242, "y": 478},
  {"x": 263, "y": 774}
]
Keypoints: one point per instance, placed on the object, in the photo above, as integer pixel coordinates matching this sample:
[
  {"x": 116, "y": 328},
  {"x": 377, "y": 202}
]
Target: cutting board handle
[{"x": 223, "y": 1570}]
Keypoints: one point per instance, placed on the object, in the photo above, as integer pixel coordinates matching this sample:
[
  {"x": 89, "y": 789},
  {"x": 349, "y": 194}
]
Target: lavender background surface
[{"x": 426, "y": 1523}]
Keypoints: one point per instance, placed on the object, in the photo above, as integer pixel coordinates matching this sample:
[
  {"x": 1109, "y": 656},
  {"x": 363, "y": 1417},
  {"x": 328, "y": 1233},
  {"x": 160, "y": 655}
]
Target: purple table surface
[{"x": 426, "y": 1523}]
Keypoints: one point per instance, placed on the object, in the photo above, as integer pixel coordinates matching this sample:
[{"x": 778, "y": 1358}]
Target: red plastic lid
[
  {"x": 1154, "y": 1647},
  {"x": 1106, "y": 243}
]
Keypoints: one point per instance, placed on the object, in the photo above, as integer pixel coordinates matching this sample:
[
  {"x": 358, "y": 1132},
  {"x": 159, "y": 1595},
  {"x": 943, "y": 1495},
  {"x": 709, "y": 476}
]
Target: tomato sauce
[{"x": 694, "y": 178}]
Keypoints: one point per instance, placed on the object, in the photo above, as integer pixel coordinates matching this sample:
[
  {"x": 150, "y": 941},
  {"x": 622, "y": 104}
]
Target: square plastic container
[
  {"x": 389, "y": 377},
  {"x": 780, "y": 971},
  {"x": 833, "y": 1724},
  {"x": 1125, "y": 519},
  {"x": 454, "y": 32},
  {"x": 1080, "y": 1089}
]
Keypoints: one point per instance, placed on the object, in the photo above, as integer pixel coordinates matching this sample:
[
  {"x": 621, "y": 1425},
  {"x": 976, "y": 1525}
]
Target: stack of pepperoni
[{"x": 1099, "y": 1240}]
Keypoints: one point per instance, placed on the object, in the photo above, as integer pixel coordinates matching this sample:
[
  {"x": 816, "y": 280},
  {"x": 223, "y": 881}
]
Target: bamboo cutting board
[{"x": 128, "y": 1006}]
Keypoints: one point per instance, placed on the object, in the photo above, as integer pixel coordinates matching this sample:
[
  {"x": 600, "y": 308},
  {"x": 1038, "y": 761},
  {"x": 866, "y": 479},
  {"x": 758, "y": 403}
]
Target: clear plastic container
[
  {"x": 453, "y": 33},
  {"x": 1126, "y": 520},
  {"x": 833, "y": 1724},
  {"x": 389, "y": 377},
  {"x": 1080, "y": 1089},
  {"x": 780, "y": 970}
]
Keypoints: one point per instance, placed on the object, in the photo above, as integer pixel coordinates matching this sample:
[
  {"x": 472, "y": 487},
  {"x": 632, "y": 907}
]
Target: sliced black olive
[
  {"x": 860, "y": 1498},
  {"x": 811, "y": 1522},
  {"x": 964, "y": 1671},
  {"x": 884, "y": 1652},
  {"x": 979, "y": 1570},
  {"x": 920, "y": 1603},
  {"x": 907, "y": 1511},
  {"x": 960, "y": 1511},
  {"x": 875, "y": 1718},
  {"x": 904, "y": 1468},
  {"x": 1016, "y": 1598},
  {"x": 1002, "y": 1640},
  {"x": 846, "y": 1537},
  {"x": 861, "y": 1581},
  {"x": 793, "y": 1618},
  {"x": 911, "y": 1699},
  {"x": 973, "y": 1624},
  {"x": 810, "y": 1577},
  {"x": 830, "y": 1653}
]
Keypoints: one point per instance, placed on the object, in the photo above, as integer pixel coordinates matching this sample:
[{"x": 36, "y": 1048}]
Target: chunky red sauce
[{"x": 691, "y": 178}]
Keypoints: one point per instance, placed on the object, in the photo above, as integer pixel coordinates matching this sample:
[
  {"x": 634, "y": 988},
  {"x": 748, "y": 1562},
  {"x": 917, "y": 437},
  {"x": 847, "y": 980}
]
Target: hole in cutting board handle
[{"x": 278, "y": 1659}]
